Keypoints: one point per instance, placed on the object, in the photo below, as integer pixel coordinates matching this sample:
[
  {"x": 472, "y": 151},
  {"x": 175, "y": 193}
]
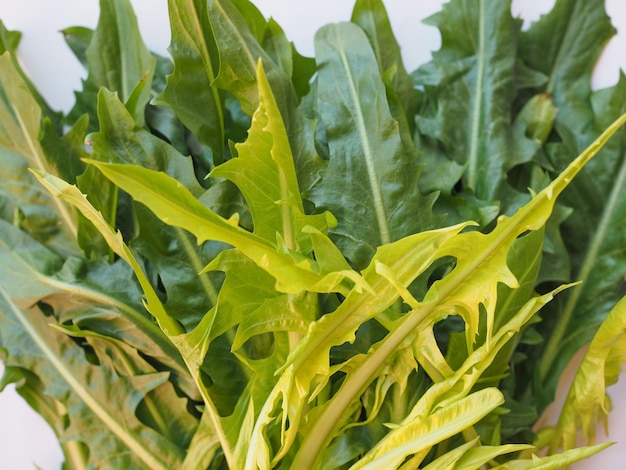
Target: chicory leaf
[
  {"x": 593, "y": 234},
  {"x": 564, "y": 45},
  {"x": 99, "y": 301},
  {"x": 372, "y": 17},
  {"x": 265, "y": 173},
  {"x": 587, "y": 402},
  {"x": 65, "y": 152},
  {"x": 20, "y": 117},
  {"x": 426, "y": 432},
  {"x": 370, "y": 183},
  {"x": 307, "y": 368},
  {"x": 240, "y": 51},
  {"x": 72, "y": 195},
  {"x": 476, "y": 90},
  {"x": 190, "y": 91},
  {"x": 92, "y": 395},
  {"x": 117, "y": 60},
  {"x": 555, "y": 461},
  {"x": 121, "y": 140},
  {"x": 160, "y": 407},
  {"x": 170, "y": 250},
  {"x": 78, "y": 39}
]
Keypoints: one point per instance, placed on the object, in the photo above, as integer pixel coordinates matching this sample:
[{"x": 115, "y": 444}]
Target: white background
[{"x": 25, "y": 440}]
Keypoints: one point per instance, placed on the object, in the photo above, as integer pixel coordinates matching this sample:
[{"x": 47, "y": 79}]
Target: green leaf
[
  {"x": 554, "y": 462},
  {"x": 255, "y": 21},
  {"x": 265, "y": 173},
  {"x": 450, "y": 458},
  {"x": 203, "y": 447},
  {"x": 117, "y": 60},
  {"x": 20, "y": 117},
  {"x": 278, "y": 47},
  {"x": 304, "y": 69},
  {"x": 587, "y": 401},
  {"x": 249, "y": 302},
  {"x": 412, "y": 438},
  {"x": 178, "y": 261},
  {"x": 190, "y": 91},
  {"x": 482, "y": 455},
  {"x": 450, "y": 387},
  {"x": 565, "y": 45},
  {"x": 72, "y": 195},
  {"x": 106, "y": 396},
  {"x": 301, "y": 307},
  {"x": 160, "y": 408},
  {"x": 93, "y": 296},
  {"x": 470, "y": 286},
  {"x": 240, "y": 52},
  {"x": 185, "y": 211},
  {"x": 66, "y": 152},
  {"x": 308, "y": 368},
  {"x": 523, "y": 259},
  {"x": 78, "y": 39},
  {"x": 9, "y": 40},
  {"x": 372, "y": 17},
  {"x": 370, "y": 184},
  {"x": 594, "y": 237},
  {"x": 475, "y": 70},
  {"x": 121, "y": 140}
]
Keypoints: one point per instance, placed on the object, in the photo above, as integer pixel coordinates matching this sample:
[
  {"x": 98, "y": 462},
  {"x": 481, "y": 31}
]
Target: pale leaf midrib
[
  {"x": 377, "y": 195},
  {"x": 478, "y": 102}
]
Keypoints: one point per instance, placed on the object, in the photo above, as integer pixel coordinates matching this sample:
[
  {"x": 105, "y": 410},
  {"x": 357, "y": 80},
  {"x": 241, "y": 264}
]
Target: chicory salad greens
[{"x": 238, "y": 257}]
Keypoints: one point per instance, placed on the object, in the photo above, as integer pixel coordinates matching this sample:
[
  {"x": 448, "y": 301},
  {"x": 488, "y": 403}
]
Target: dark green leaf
[
  {"x": 66, "y": 152},
  {"x": 100, "y": 404},
  {"x": 564, "y": 45},
  {"x": 474, "y": 89},
  {"x": 117, "y": 60},
  {"x": 101, "y": 297},
  {"x": 595, "y": 238},
  {"x": 372, "y": 17},
  {"x": 78, "y": 39},
  {"x": 370, "y": 184},
  {"x": 190, "y": 92}
]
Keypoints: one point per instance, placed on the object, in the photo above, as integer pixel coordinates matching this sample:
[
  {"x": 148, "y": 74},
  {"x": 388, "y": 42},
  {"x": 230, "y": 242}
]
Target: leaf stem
[{"x": 197, "y": 264}]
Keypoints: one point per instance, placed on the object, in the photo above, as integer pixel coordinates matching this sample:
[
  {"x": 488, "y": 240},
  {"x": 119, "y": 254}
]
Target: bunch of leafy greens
[{"x": 245, "y": 258}]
